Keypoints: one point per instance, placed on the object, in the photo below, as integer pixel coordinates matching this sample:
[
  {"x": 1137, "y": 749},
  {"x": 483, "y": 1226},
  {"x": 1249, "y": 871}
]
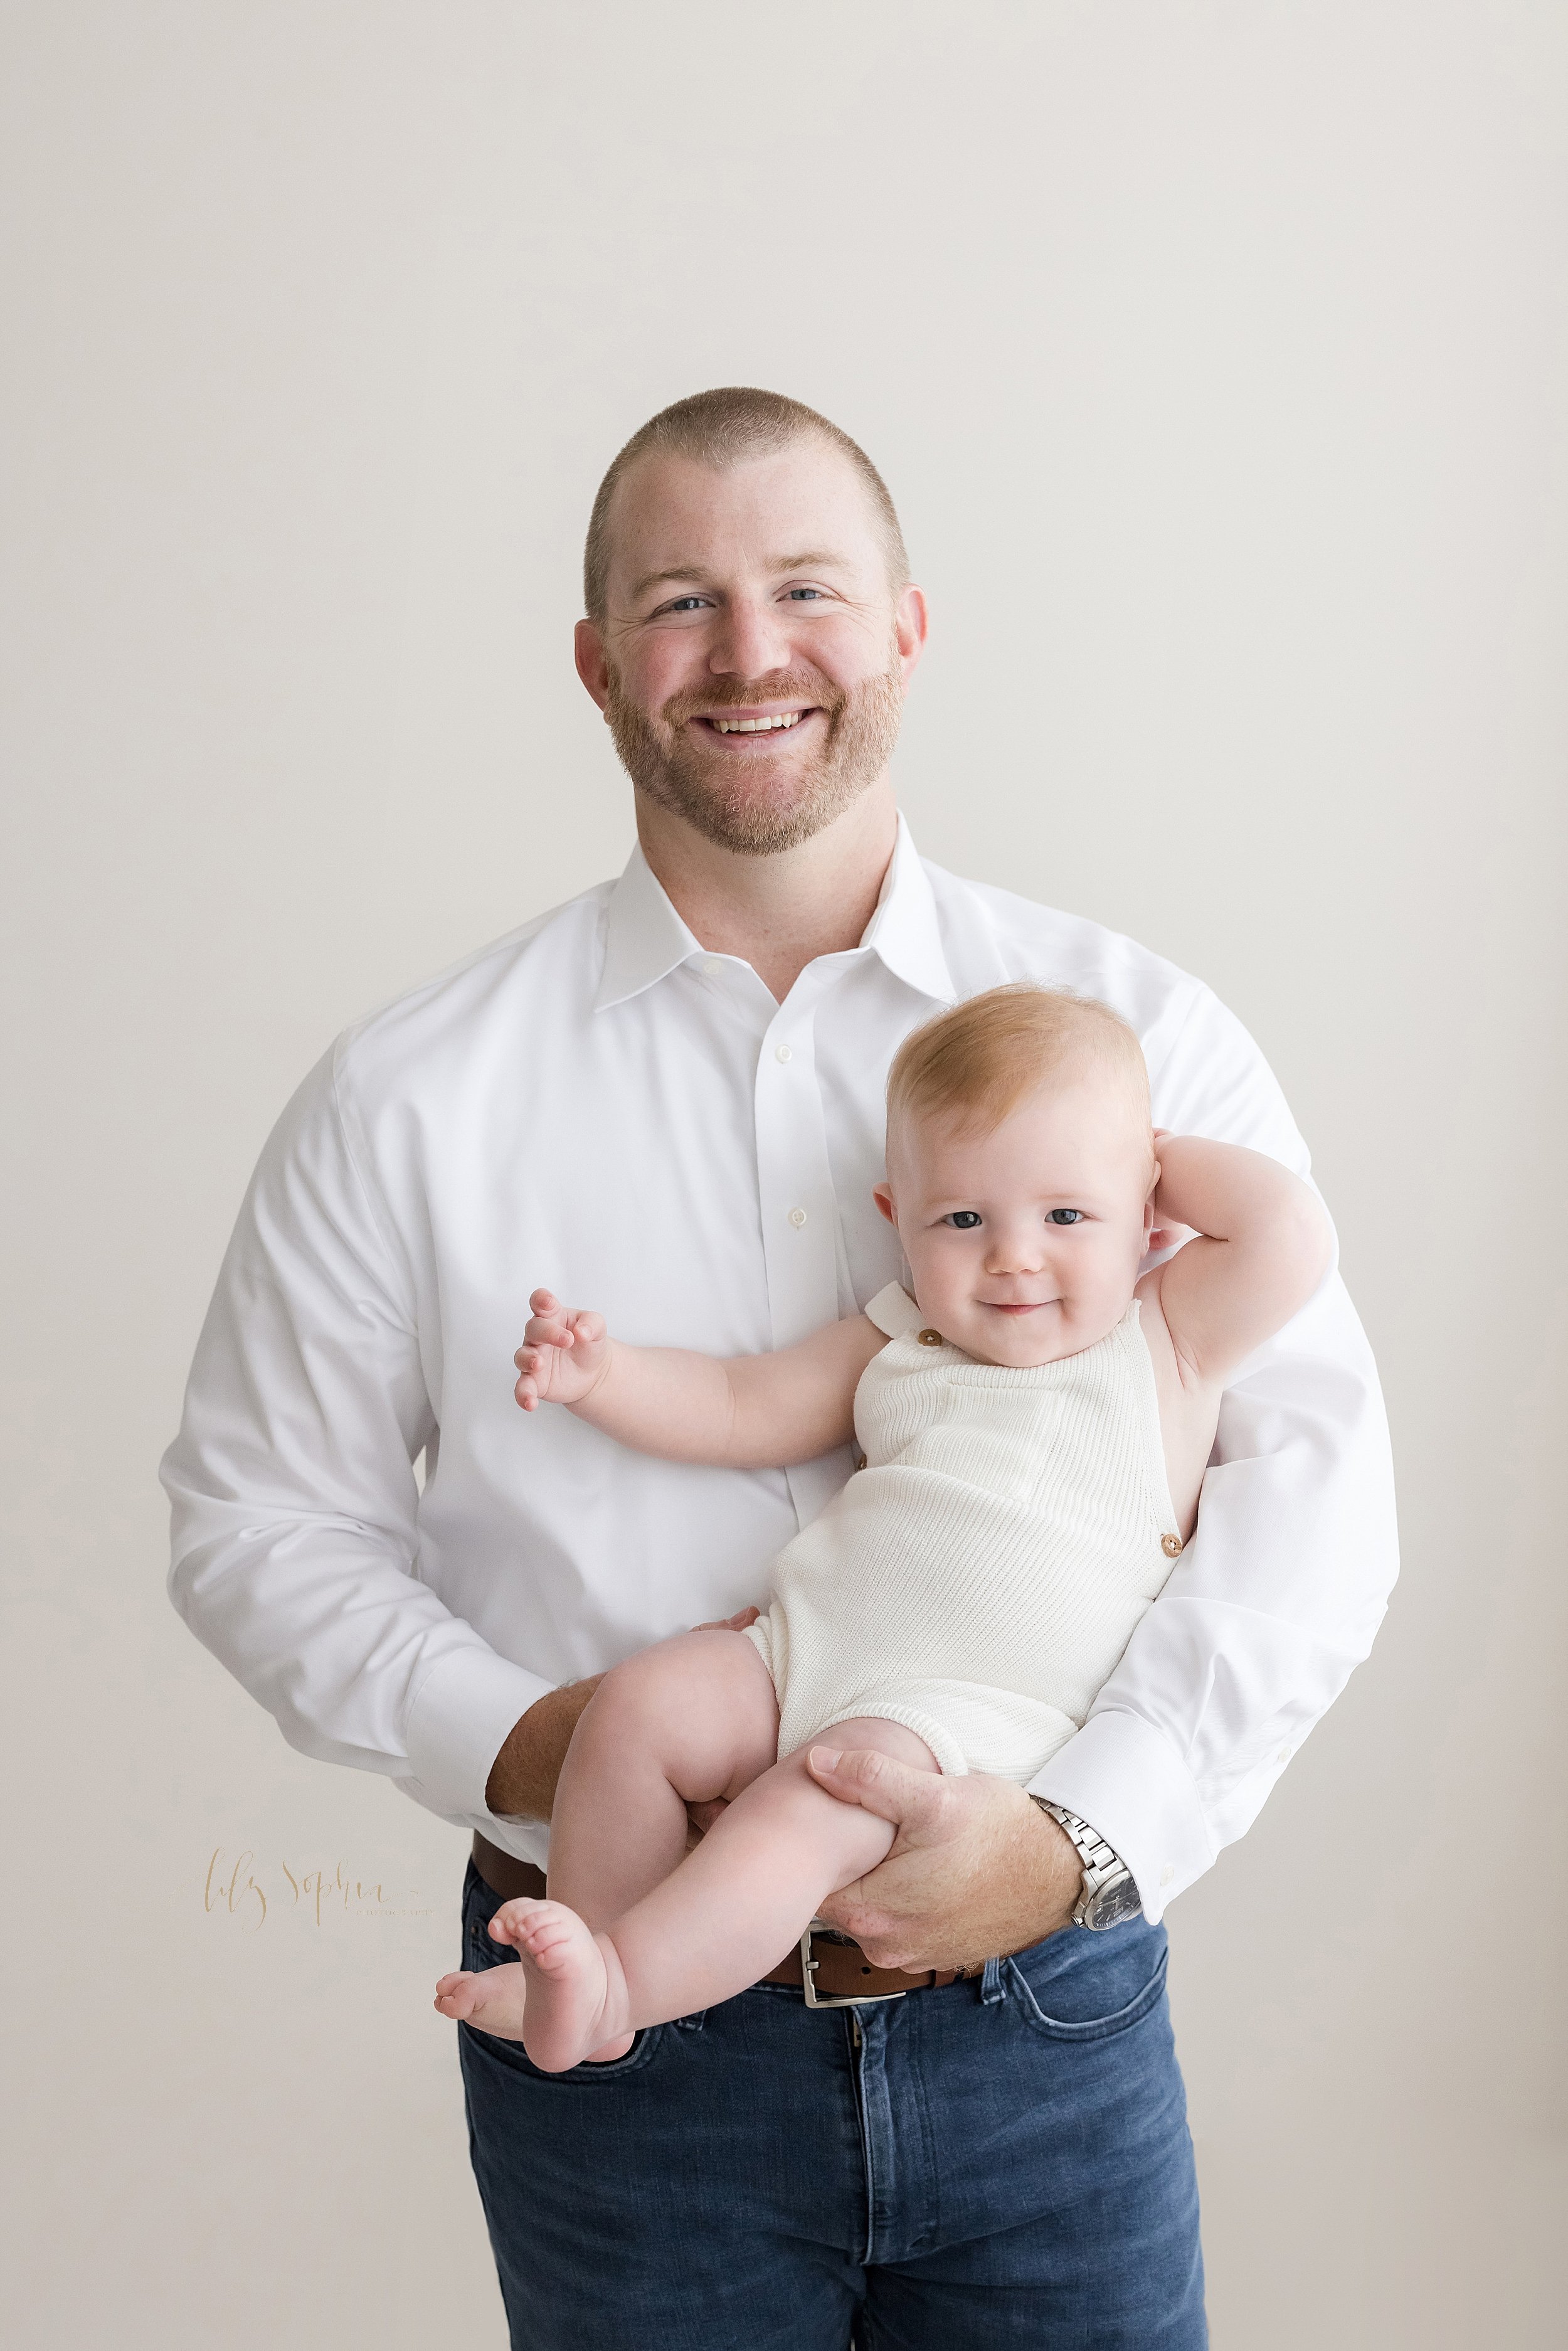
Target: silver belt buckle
[{"x": 814, "y": 1999}]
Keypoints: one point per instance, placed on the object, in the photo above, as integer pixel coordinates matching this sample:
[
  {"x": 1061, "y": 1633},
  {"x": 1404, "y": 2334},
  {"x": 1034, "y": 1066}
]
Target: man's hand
[
  {"x": 564, "y": 1355},
  {"x": 976, "y": 1870},
  {"x": 522, "y": 1775}
]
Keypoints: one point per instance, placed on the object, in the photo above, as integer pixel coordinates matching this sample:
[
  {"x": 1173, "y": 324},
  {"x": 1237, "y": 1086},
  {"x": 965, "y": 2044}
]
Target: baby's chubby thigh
[
  {"x": 699, "y": 1708},
  {"x": 851, "y": 1839}
]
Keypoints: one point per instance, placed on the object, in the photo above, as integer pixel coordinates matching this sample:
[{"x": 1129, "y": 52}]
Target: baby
[{"x": 1035, "y": 1424}]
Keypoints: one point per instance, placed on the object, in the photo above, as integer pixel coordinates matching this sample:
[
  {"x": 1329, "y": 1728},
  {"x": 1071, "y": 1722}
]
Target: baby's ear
[{"x": 883, "y": 1194}]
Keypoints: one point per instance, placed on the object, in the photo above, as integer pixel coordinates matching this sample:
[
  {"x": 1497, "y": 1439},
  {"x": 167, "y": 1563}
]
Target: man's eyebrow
[
  {"x": 813, "y": 559},
  {"x": 661, "y": 579}
]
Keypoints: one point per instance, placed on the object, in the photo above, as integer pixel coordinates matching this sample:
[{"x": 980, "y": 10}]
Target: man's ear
[
  {"x": 883, "y": 1194},
  {"x": 592, "y": 662},
  {"x": 911, "y": 621}
]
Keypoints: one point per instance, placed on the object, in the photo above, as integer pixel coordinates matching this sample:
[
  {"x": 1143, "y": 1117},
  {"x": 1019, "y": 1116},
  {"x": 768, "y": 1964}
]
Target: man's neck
[{"x": 776, "y": 913}]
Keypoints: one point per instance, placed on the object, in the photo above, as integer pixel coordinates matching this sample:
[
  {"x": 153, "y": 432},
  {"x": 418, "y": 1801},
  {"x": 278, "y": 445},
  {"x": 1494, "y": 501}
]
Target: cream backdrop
[{"x": 1216, "y": 356}]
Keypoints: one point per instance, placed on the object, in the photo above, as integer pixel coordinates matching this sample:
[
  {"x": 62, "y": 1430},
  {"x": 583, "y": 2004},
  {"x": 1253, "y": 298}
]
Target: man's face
[{"x": 754, "y": 656}]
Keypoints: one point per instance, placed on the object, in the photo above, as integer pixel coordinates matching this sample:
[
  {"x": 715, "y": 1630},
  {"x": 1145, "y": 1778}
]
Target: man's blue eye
[
  {"x": 964, "y": 1220},
  {"x": 800, "y": 594},
  {"x": 1067, "y": 1215},
  {"x": 686, "y": 603}
]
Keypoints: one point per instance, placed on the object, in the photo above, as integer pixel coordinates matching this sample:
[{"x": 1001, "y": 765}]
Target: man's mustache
[{"x": 738, "y": 694}]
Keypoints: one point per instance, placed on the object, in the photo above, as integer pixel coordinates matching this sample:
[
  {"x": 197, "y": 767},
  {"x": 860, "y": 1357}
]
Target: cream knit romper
[{"x": 980, "y": 1576}]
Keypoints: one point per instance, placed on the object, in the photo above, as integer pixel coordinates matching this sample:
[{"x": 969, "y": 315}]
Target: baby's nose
[{"x": 1015, "y": 1253}]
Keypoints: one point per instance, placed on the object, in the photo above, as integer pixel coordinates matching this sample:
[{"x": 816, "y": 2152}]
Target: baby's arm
[
  {"x": 1263, "y": 1244},
  {"x": 745, "y": 1412}
]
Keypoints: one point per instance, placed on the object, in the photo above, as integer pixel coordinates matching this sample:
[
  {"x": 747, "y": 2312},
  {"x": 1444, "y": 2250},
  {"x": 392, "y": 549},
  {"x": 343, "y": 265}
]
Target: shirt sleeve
[
  {"x": 1278, "y": 1594},
  {"x": 295, "y": 1554}
]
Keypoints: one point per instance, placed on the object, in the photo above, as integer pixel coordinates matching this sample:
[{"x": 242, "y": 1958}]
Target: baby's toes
[
  {"x": 509, "y": 1920},
  {"x": 454, "y": 1994},
  {"x": 551, "y": 1937}
]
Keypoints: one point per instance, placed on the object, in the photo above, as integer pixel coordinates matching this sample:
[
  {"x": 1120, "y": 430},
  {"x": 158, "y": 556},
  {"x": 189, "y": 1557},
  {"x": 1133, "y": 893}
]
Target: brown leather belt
[{"x": 840, "y": 1969}]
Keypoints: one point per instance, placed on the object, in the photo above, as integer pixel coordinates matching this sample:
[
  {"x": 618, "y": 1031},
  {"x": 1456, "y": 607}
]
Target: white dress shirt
[{"x": 597, "y": 1104}]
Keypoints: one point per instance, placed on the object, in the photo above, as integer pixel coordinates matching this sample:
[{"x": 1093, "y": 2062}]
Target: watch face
[{"x": 1111, "y": 1905}]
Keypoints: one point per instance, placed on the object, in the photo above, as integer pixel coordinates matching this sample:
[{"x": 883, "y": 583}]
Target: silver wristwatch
[{"x": 1109, "y": 1893}]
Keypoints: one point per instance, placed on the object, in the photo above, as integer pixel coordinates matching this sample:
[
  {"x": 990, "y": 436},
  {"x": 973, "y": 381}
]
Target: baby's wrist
[{"x": 582, "y": 1405}]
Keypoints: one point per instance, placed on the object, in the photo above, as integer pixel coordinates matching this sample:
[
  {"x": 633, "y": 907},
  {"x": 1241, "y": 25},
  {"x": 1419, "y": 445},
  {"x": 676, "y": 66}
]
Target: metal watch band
[{"x": 1105, "y": 1871}]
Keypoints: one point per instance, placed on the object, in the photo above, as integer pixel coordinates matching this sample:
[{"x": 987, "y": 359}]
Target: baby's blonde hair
[{"x": 972, "y": 1067}]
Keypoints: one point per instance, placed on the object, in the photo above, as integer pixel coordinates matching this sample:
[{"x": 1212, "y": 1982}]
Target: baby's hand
[
  {"x": 1165, "y": 1235},
  {"x": 564, "y": 1355}
]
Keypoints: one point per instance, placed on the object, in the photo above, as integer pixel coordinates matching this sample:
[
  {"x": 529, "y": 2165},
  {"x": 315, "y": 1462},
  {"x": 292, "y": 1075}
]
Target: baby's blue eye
[
  {"x": 963, "y": 1220},
  {"x": 1066, "y": 1217}
]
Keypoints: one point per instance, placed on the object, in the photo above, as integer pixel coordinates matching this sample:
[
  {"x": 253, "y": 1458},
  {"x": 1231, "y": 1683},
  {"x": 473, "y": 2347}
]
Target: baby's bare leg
[
  {"x": 690, "y": 1720},
  {"x": 724, "y": 1918}
]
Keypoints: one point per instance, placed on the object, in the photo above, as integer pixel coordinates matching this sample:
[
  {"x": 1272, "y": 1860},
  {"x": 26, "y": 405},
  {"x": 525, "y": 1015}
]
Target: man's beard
[{"x": 744, "y": 807}]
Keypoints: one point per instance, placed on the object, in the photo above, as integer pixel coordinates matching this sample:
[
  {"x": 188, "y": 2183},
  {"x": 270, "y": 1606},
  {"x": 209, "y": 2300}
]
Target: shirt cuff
[
  {"x": 462, "y": 1715},
  {"x": 1130, "y": 1784}
]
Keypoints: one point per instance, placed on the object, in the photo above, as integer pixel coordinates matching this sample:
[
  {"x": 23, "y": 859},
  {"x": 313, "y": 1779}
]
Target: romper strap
[{"x": 894, "y": 1311}]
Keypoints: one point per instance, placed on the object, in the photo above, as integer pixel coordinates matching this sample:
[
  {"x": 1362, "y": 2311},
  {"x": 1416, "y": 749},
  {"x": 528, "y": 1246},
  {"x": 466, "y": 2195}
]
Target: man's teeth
[{"x": 756, "y": 725}]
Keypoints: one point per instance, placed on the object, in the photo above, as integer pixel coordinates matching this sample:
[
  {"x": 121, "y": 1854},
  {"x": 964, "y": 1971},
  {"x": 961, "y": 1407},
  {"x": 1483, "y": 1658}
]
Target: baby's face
[{"x": 1025, "y": 1243}]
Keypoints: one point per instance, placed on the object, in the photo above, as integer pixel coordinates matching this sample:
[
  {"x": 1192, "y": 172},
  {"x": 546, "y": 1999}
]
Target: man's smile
[{"x": 742, "y": 724}]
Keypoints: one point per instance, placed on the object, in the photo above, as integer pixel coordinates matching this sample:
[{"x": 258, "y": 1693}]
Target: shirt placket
[{"x": 801, "y": 1244}]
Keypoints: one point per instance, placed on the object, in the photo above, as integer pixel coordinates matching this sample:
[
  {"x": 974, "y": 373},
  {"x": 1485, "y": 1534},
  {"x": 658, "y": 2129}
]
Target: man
[{"x": 665, "y": 1099}]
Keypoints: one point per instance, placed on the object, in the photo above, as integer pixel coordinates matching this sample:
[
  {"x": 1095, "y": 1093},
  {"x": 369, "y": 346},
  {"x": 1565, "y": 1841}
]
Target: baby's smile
[{"x": 1047, "y": 1205}]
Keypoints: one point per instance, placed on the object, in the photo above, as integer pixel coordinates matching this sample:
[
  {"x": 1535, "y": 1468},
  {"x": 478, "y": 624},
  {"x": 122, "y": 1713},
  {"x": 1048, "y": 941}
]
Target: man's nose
[{"x": 750, "y": 640}]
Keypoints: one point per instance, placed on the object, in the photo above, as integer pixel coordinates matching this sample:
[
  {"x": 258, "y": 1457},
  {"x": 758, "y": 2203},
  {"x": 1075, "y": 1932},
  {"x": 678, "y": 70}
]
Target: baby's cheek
[{"x": 946, "y": 1304}]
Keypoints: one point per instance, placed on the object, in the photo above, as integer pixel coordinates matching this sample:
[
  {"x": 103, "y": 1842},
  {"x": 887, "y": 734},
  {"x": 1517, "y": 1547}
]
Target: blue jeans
[{"x": 996, "y": 2162}]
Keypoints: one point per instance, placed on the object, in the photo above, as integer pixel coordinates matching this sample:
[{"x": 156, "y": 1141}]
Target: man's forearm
[{"x": 523, "y": 1776}]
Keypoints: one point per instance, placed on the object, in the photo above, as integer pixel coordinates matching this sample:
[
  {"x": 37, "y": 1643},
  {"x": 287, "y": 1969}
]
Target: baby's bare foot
[
  {"x": 493, "y": 2002},
  {"x": 574, "y": 1987}
]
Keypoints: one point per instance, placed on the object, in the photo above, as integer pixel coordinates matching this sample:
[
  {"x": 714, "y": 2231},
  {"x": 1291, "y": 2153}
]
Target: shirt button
[
  {"x": 782, "y": 1053},
  {"x": 1167, "y": 1873},
  {"x": 797, "y": 1217},
  {"x": 1171, "y": 1546},
  {"x": 929, "y": 1338},
  {"x": 712, "y": 965}
]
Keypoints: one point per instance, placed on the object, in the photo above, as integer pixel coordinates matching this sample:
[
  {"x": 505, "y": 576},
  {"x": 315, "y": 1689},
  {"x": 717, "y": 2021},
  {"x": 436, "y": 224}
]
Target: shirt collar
[
  {"x": 645, "y": 938},
  {"x": 904, "y": 931}
]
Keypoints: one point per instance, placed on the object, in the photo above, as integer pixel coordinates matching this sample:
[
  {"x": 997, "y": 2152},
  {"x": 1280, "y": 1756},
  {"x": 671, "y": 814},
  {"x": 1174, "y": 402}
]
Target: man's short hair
[
  {"x": 723, "y": 428},
  {"x": 971, "y": 1067}
]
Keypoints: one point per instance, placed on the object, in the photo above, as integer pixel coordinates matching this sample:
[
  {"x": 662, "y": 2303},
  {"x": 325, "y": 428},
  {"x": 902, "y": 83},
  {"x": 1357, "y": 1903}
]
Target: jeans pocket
[
  {"x": 1120, "y": 2018},
  {"x": 480, "y": 1951},
  {"x": 645, "y": 2047},
  {"x": 511, "y": 2057}
]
